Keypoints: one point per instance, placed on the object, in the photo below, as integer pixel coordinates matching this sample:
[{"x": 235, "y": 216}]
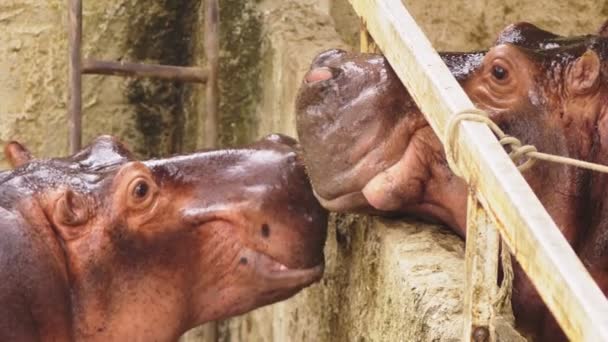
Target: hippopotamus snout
[{"x": 343, "y": 124}]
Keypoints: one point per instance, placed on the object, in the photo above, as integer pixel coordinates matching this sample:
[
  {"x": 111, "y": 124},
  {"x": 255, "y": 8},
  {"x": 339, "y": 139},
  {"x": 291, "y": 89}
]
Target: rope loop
[{"x": 521, "y": 155}]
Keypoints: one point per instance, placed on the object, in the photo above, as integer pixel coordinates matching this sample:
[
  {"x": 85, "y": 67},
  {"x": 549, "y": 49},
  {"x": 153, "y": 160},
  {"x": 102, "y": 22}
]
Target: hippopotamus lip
[
  {"x": 273, "y": 271},
  {"x": 344, "y": 202}
]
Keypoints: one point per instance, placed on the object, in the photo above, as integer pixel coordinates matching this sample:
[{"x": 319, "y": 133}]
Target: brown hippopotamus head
[
  {"x": 100, "y": 246},
  {"x": 368, "y": 148}
]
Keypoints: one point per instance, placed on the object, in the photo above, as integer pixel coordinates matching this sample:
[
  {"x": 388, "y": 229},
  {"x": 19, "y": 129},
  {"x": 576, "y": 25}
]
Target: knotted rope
[
  {"x": 524, "y": 156},
  {"x": 518, "y": 151}
]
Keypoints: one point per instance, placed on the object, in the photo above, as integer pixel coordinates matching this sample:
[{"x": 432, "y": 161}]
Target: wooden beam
[
  {"x": 481, "y": 272},
  {"x": 166, "y": 72},
  {"x": 561, "y": 279},
  {"x": 212, "y": 48},
  {"x": 74, "y": 75}
]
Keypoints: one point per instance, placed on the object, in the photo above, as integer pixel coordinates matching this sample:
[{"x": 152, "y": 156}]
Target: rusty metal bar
[
  {"x": 165, "y": 72},
  {"x": 212, "y": 47},
  {"x": 74, "y": 75}
]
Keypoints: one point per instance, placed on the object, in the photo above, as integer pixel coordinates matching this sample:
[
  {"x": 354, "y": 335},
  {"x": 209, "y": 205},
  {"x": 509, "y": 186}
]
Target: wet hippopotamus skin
[
  {"x": 368, "y": 148},
  {"x": 101, "y": 247}
]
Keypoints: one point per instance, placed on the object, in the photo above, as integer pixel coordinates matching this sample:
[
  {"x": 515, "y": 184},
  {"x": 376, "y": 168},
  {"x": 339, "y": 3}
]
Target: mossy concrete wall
[{"x": 151, "y": 117}]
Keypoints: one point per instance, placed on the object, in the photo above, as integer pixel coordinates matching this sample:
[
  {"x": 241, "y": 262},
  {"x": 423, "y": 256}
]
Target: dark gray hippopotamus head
[
  {"x": 99, "y": 246},
  {"x": 368, "y": 148}
]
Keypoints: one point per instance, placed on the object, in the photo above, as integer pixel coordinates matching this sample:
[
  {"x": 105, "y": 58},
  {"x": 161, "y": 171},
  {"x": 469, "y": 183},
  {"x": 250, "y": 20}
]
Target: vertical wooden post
[
  {"x": 212, "y": 47},
  {"x": 74, "y": 74},
  {"x": 364, "y": 37},
  {"x": 366, "y": 41},
  {"x": 481, "y": 269}
]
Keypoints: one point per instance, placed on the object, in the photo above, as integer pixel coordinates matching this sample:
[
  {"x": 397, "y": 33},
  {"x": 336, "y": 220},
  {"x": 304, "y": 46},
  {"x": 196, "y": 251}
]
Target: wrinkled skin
[
  {"x": 100, "y": 247},
  {"x": 368, "y": 148}
]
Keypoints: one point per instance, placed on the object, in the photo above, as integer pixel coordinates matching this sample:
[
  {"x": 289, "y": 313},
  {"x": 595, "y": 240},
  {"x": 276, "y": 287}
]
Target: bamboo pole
[
  {"x": 166, "y": 72},
  {"x": 211, "y": 37},
  {"x": 74, "y": 75},
  {"x": 564, "y": 284}
]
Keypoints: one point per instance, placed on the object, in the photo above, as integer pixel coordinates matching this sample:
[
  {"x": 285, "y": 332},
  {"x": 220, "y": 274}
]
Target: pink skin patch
[{"x": 318, "y": 74}]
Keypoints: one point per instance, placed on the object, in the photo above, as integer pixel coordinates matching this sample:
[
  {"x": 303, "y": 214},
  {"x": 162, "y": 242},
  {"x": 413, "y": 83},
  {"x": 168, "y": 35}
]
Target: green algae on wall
[
  {"x": 165, "y": 37},
  {"x": 240, "y": 40}
]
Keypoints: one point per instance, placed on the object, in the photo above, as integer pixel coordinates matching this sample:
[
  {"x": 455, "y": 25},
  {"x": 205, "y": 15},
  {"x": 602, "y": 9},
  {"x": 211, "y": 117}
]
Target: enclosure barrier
[
  {"x": 77, "y": 66},
  {"x": 501, "y": 203}
]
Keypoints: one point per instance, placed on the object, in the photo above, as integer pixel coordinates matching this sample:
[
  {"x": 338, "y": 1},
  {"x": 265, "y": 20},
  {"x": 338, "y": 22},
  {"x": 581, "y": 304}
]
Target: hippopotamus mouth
[
  {"x": 277, "y": 274},
  {"x": 271, "y": 272}
]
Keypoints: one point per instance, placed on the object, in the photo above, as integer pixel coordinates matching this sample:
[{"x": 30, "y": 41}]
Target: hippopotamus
[
  {"x": 368, "y": 148},
  {"x": 98, "y": 246}
]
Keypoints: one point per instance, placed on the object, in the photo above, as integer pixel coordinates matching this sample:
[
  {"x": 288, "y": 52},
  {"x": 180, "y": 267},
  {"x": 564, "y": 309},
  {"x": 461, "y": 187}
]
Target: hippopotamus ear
[
  {"x": 70, "y": 213},
  {"x": 134, "y": 189},
  {"x": 17, "y": 154},
  {"x": 104, "y": 151},
  {"x": 584, "y": 73}
]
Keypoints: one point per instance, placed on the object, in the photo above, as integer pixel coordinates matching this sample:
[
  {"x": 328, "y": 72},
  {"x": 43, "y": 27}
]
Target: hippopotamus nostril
[
  {"x": 318, "y": 75},
  {"x": 265, "y": 230},
  {"x": 243, "y": 261}
]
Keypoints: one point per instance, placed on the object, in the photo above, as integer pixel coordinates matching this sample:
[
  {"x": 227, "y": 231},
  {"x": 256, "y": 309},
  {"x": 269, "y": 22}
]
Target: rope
[{"x": 518, "y": 151}]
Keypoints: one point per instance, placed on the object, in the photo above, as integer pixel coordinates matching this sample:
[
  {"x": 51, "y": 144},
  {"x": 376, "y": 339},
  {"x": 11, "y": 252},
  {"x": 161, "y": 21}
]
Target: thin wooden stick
[
  {"x": 212, "y": 47},
  {"x": 74, "y": 75},
  {"x": 166, "y": 72}
]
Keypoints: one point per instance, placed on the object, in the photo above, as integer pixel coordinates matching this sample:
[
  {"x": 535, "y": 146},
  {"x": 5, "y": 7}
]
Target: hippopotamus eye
[
  {"x": 141, "y": 192},
  {"x": 499, "y": 72},
  {"x": 141, "y": 189}
]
